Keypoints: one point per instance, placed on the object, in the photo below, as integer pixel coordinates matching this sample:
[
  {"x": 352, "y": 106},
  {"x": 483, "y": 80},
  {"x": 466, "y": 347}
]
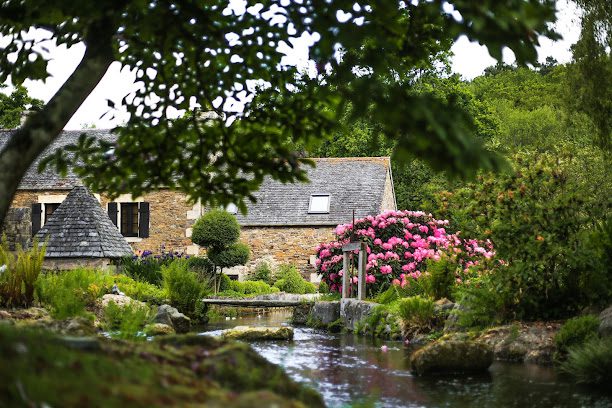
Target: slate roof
[
  {"x": 79, "y": 228},
  {"x": 49, "y": 179},
  {"x": 353, "y": 183}
]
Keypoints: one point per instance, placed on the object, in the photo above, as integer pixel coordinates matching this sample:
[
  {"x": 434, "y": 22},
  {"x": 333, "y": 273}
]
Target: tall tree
[
  {"x": 211, "y": 52},
  {"x": 14, "y": 105},
  {"x": 591, "y": 72}
]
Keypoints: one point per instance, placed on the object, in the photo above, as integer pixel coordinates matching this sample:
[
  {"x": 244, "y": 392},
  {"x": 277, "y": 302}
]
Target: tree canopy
[
  {"x": 13, "y": 106},
  {"x": 213, "y": 53}
]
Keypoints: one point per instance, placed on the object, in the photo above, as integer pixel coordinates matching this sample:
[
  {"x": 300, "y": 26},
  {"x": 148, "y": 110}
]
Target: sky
[{"x": 470, "y": 60}]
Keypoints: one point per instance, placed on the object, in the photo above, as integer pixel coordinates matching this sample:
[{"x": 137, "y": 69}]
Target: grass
[{"x": 591, "y": 362}]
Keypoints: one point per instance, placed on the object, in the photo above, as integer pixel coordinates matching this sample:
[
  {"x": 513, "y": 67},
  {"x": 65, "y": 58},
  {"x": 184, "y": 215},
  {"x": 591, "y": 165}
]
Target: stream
[{"x": 351, "y": 370}]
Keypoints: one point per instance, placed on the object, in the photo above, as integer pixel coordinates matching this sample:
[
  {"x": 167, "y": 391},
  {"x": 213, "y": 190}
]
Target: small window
[
  {"x": 319, "y": 204},
  {"x": 49, "y": 209},
  {"x": 129, "y": 219}
]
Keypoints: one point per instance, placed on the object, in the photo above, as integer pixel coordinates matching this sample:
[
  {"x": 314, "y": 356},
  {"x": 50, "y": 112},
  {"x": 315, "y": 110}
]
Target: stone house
[{"x": 284, "y": 225}]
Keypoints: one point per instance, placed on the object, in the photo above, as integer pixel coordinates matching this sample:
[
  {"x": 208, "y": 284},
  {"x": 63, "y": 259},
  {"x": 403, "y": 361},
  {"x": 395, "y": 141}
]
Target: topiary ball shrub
[
  {"x": 215, "y": 229},
  {"x": 235, "y": 254}
]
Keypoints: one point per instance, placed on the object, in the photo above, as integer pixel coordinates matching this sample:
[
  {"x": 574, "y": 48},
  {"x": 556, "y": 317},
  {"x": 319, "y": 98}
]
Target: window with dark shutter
[
  {"x": 143, "y": 222},
  {"x": 129, "y": 219},
  {"x": 112, "y": 212},
  {"x": 36, "y": 217}
]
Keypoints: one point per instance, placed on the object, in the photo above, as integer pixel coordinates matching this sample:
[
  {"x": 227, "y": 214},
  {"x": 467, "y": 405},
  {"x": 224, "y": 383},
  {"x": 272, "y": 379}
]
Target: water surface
[{"x": 352, "y": 370}]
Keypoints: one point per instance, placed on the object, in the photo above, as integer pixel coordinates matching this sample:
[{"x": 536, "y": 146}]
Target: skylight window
[{"x": 319, "y": 204}]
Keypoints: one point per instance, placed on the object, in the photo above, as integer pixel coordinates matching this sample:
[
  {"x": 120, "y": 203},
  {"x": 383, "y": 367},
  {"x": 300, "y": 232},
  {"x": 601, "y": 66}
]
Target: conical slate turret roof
[{"x": 79, "y": 228}]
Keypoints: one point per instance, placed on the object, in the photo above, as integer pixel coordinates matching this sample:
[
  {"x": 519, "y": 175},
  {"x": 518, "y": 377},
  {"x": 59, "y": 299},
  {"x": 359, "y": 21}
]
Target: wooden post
[
  {"x": 361, "y": 274},
  {"x": 345, "y": 275}
]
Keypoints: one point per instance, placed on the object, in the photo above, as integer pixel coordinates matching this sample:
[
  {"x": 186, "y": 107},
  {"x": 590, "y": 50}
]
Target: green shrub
[
  {"x": 183, "y": 287},
  {"x": 394, "y": 293},
  {"x": 309, "y": 287},
  {"x": 591, "y": 362},
  {"x": 482, "y": 304},
  {"x": 18, "y": 280},
  {"x": 262, "y": 272},
  {"x": 215, "y": 229},
  {"x": 232, "y": 255},
  {"x": 69, "y": 292},
  {"x": 323, "y": 288},
  {"x": 290, "y": 280},
  {"x": 143, "y": 291},
  {"x": 439, "y": 280},
  {"x": 382, "y": 322},
  {"x": 226, "y": 282},
  {"x": 125, "y": 322},
  {"x": 416, "y": 311},
  {"x": 252, "y": 288},
  {"x": 576, "y": 331},
  {"x": 201, "y": 265},
  {"x": 146, "y": 269}
]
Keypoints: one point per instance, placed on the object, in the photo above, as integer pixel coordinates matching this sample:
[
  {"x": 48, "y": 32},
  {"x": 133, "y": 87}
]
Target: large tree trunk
[{"x": 40, "y": 129}]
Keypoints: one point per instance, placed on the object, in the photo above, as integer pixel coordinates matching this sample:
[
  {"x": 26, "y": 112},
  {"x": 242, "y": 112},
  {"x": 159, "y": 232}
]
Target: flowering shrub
[
  {"x": 146, "y": 267},
  {"x": 398, "y": 245}
]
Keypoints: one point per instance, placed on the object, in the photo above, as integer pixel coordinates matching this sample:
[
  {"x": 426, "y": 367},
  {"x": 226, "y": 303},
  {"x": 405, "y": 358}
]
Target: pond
[{"x": 352, "y": 370}]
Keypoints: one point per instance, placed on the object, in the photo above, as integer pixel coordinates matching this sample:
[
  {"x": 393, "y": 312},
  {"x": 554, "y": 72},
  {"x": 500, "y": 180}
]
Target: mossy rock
[
  {"x": 158, "y": 329},
  {"x": 448, "y": 356},
  {"x": 249, "y": 333},
  {"x": 173, "y": 371}
]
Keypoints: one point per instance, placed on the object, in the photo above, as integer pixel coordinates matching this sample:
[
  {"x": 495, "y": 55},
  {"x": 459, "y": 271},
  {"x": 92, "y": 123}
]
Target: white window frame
[
  {"x": 314, "y": 196},
  {"x": 127, "y": 199}
]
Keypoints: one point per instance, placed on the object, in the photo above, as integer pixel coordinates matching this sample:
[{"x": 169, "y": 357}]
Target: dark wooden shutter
[
  {"x": 112, "y": 212},
  {"x": 143, "y": 220},
  {"x": 36, "y": 217}
]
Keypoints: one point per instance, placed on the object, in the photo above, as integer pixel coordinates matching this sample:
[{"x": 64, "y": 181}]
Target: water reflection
[{"x": 348, "y": 370}]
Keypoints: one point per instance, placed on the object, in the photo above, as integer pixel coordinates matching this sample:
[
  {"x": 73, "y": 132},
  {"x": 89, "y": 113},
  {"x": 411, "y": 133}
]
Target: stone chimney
[{"x": 25, "y": 115}]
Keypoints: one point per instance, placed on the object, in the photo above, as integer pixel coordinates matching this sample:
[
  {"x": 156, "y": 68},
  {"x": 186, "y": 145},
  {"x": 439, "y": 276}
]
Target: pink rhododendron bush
[{"x": 399, "y": 243}]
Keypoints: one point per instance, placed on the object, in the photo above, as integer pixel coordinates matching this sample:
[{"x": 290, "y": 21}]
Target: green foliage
[
  {"x": 183, "y": 287},
  {"x": 215, "y": 229},
  {"x": 125, "y": 322},
  {"x": 439, "y": 280},
  {"x": 482, "y": 304},
  {"x": 323, "y": 288},
  {"x": 225, "y": 282},
  {"x": 13, "y": 106},
  {"x": 232, "y": 255},
  {"x": 69, "y": 293},
  {"x": 394, "y": 45},
  {"x": 21, "y": 270},
  {"x": 394, "y": 293},
  {"x": 576, "y": 331},
  {"x": 290, "y": 280},
  {"x": 262, "y": 272},
  {"x": 591, "y": 362},
  {"x": 535, "y": 218},
  {"x": 382, "y": 323},
  {"x": 237, "y": 288},
  {"x": 416, "y": 312}
]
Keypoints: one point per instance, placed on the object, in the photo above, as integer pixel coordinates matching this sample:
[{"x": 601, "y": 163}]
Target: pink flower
[
  {"x": 370, "y": 279},
  {"x": 386, "y": 269},
  {"x": 396, "y": 282},
  {"x": 377, "y": 241},
  {"x": 355, "y": 279}
]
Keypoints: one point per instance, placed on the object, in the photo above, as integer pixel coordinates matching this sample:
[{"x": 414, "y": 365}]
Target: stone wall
[
  {"x": 171, "y": 219},
  {"x": 294, "y": 245},
  {"x": 18, "y": 227}
]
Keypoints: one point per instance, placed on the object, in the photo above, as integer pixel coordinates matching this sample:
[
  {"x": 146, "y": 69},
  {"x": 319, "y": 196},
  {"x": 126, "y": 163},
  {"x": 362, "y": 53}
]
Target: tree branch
[{"x": 42, "y": 128}]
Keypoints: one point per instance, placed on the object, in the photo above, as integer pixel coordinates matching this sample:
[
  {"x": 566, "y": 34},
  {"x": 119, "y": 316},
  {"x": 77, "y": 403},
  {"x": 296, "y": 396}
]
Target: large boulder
[
  {"x": 120, "y": 300},
  {"x": 448, "y": 356},
  {"x": 522, "y": 342},
  {"x": 301, "y": 313},
  {"x": 170, "y": 316},
  {"x": 605, "y": 322},
  {"x": 259, "y": 333}
]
